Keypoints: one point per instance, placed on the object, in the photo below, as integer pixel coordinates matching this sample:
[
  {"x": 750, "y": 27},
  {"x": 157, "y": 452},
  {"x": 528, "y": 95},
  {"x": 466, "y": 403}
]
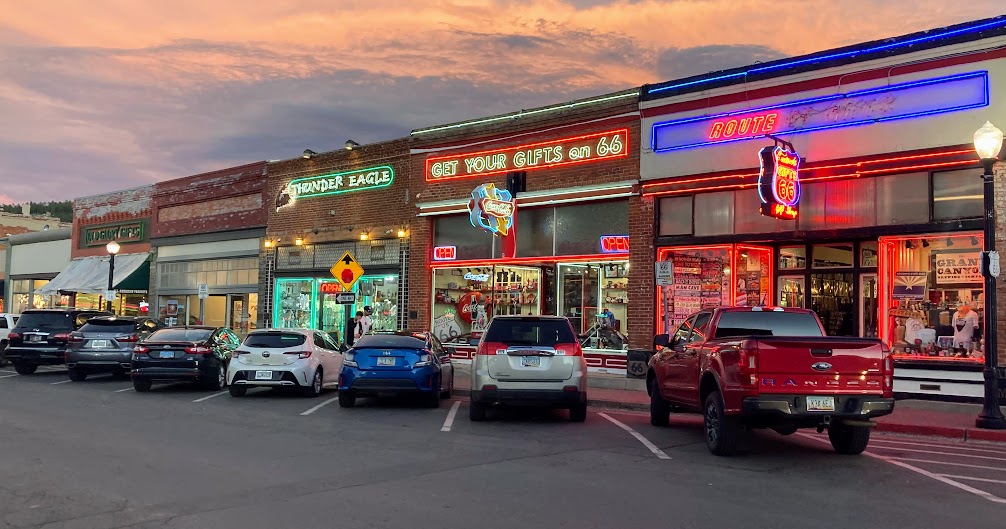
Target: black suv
[{"x": 41, "y": 337}]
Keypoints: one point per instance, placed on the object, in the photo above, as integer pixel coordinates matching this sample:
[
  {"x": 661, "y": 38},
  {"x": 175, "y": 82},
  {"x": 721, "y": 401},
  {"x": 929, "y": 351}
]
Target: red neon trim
[
  {"x": 551, "y": 259},
  {"x": 551, "y": 129},
  {"x": 625, "y": 152},
  {"x": 914, "y": 167}
]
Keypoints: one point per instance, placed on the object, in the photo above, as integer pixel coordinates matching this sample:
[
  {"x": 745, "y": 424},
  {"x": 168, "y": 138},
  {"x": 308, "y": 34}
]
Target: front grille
[{"x": 385, "y": 383}]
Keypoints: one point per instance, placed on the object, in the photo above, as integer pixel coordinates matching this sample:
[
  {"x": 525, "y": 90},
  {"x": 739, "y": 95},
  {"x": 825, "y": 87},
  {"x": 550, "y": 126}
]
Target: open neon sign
[
  {"x": 614, "y": 244},
  {"x": 779, "y": 182},
  {"x": 445, "y": 253}
]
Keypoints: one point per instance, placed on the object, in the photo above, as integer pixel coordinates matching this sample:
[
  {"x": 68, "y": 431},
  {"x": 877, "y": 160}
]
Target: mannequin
[{"x": 965, "y": 321}]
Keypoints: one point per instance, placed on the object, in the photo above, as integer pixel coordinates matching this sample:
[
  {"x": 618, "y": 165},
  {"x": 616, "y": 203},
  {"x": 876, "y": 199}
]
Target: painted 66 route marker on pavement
[{"x": 347, "y": 271}]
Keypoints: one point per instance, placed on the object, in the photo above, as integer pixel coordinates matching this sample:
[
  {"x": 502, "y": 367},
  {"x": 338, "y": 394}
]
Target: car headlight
[
  {"x": 350, "y": 361},
  {"x": 424, "y": 361}
]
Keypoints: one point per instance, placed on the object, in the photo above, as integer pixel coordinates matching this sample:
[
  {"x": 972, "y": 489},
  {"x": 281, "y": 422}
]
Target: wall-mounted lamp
[
  {"x": 308, "y": 153},
  {"x": 268, "y": 243},
  {"x": 402, "y": 233},
  {"x": 365, "y": 235},
  {"x": 925, "y": 243},
  {"x": 299, "y": 241},
  {"x": 350, "y": 145},
  {"x": 389, "y": 231}
]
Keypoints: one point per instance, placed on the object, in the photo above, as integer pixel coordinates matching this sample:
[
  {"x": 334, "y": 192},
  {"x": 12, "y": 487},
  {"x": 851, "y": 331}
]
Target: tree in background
[{"x": 61, "y": 210}]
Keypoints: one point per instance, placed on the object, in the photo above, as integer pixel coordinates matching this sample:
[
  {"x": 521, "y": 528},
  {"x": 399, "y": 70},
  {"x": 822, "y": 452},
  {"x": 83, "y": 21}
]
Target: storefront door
[
  {"x": 868, "y": 305},
  {"x": 831, "y": 297},
  {"x": 791, "y": 291},
  {"x": 243, "y": 311},
  {"x": 594, "y": 298}
]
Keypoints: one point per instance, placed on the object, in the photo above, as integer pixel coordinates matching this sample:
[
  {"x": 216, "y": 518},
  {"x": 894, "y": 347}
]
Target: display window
[
  {"x": 932, "y": 297},
  {"x": 26, "y": 296},
  {"x": 294, "y": 305},
  {"x": 466, "y": 299},
  {"x": 311, "y": 303},
  {"x": 712, "y": 276},
  {"x": 594, "y": 297}
]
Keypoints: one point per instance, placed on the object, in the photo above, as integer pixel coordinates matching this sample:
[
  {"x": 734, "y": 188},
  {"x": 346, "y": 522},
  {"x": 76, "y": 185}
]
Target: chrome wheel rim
[
  {"x": 712, "y": 424},
  {"x": 221, "y": 377},
  {"x": 317, "y": 382}
]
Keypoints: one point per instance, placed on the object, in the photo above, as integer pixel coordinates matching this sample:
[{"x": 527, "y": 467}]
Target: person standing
[
  {"x": 358, "y": 326},
  {"x": 366, "y": 321}
]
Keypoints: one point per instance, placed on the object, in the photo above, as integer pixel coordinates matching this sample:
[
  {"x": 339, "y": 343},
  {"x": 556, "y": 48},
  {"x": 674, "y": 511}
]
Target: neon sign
[
  {"x": 492, "y": 209},
  {"x": 863, "y": 107},
  {"x": 335, "y": 184},
  {"x": 779, "y": 182},
  {"x": 330, "y": 288},
  {"x": 445, "y": 253},
  {"x": 555, "y": 153},
  {"x": 477, "y": 277},
  {"x": 614, "y": 244}
]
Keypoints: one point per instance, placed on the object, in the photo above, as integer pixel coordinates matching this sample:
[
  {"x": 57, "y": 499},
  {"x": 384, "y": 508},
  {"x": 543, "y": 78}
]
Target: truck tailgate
[{"x": 820, "y": 364}]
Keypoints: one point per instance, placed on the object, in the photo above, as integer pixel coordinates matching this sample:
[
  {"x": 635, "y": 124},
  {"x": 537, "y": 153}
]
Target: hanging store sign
[
  {"x": 126, "y": 232},
  {"x": 492, "y": 209},
  {"x": 779, "y": 182},
  {"x": 875, "y": 105},
  {"x": 566, "y": 151},
  {"x": 958, "y": 268},
  {"x": 614, "y": 244},
  {"x": 910, "y": 286},
  {"x": 335, "y": 184}
]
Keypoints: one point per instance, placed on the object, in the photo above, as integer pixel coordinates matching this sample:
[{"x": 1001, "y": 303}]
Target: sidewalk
[{"x": 913, "y": 417}]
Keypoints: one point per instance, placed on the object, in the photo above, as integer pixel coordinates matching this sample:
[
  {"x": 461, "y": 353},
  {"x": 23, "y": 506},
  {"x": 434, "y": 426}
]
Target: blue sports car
[{"x": 399, "y": 363}]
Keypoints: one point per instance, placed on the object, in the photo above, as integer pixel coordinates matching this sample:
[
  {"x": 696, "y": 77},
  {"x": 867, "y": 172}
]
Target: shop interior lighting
[
  {"x": 299, "y": 241},
  {"x": 308, "y": 153},
  {"x": 838, "y": 55},
  {"x": 909, "y": 245},
  {"x": 268, "y": 243},
  {"x": 350, "y": 145}
]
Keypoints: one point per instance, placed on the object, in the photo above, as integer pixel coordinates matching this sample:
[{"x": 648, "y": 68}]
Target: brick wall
[
  {"x": 642, "y": 256},
  {"x": 224, "y": 200},
  {"x": 109, "y": 209}
]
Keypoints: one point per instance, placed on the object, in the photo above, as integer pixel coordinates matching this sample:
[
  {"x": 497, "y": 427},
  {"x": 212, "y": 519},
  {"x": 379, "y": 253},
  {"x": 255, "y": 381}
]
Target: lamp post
[
  {"x": 988, "y": 143},
  {"x": 112, "y": 248}
]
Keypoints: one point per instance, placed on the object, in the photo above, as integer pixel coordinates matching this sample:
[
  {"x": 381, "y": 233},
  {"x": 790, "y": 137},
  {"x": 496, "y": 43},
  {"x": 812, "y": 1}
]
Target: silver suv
[{"x": 529, "y": 361}]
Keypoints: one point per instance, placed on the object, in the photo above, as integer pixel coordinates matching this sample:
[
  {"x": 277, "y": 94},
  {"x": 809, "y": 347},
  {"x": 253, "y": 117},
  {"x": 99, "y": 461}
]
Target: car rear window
[
  {"x": 767, "y": 323},
  {"x": 276, "y": 340},
  {"x": 118, "y": 326},
  {"x": 530, "y": 332},
  {"x": 389, "y": 341},
  {"x": 46, "y": 320},
  {"x": 180, "y": 335}
]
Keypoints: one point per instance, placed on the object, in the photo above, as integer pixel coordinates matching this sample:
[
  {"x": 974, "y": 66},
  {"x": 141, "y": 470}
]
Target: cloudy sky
[{"x": 100, "y": 95}]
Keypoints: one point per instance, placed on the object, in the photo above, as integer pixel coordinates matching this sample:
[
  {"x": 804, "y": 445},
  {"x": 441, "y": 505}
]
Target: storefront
[
  {"x": 326, "y": 205},
  {"x": 122, "y": 218},
  {"x": 207, "y": 235},
  {"x": 842, "y": 190},
  {"x": 530, "y": 217},
  {"x": 34, "y": 260}
]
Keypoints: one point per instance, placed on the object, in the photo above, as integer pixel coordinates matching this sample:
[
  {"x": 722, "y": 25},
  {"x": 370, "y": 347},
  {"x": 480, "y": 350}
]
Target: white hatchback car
[{"x": 293, "y": 358}]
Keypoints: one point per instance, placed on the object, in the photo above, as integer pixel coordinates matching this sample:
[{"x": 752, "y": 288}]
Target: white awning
[{"x": 89, "y": 275}]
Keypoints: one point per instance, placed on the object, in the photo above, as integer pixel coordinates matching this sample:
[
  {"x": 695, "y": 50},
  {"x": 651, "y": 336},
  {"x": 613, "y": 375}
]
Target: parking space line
[
  {"x": 450, "y": 417},
  {"x": 932, "y": 445},
  {"x": 986, "y": 480},
  {"x": 210, "y": 397},
  {"x": 983, "y": 467},
  {"x": 639, "y": 437},
  {"x": 60, "y": 382},
  {"x": 972, "y": 456},
  {"x": 124, "y": 390},
  {"x": 318, "y": 407},
  {"x": 7, "y": 371},
  {"x": 8, "y": 376}
]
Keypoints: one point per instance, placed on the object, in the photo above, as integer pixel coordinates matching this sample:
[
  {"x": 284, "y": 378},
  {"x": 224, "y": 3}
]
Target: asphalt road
[{"x": 95, "y": 454}]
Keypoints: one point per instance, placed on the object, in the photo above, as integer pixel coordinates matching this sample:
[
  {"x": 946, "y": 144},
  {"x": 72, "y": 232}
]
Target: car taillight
[
  {"x": 141, "y": 350},
  {"x": 568, "y": 349},
  {"x": 425, "y": 359},
  {"x": 14, "y": 336},
  {"x": 491, "y": 349},
  {"x": 63, "y": 336},
  {"x": 888, "y": 370},
  {"x": 198, "y": 350},
  {"x": 300, "y": 354},
  {"x": 127, "y": 338},
  {"x": 349, "y": 360},
  {"x": 747, "y": 364},
  {"x": 76, "y": 337}
]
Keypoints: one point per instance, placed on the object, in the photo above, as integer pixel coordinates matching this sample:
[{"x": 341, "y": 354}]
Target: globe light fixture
[{"x": 988, "y": 141}]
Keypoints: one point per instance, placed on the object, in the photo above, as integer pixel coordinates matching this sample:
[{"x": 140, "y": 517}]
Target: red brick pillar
[
  {"x": 420, "y": 278},
  {"x": 642, "y": 256}
]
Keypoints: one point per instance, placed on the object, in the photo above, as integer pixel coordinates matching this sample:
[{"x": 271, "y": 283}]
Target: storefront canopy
[{"x": 89, "y": 275}]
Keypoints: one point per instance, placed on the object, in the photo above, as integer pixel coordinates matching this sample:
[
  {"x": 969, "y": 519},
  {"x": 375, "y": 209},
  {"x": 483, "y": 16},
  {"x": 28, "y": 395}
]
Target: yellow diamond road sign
[{"x": 347, "y": 271}]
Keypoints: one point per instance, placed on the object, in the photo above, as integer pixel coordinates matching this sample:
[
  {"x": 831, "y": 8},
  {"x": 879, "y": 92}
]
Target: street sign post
[
  {"x": 345, "y": 298},
  {"x": 109, "y": 295},
  {"x": 664, "y": 272},
  {"x": 203, "y": 290}
]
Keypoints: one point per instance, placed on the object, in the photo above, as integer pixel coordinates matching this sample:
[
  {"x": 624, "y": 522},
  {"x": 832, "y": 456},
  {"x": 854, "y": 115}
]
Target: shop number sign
[
  {"x": 779, "y": 182},
  {"x": 347, "y": 271}
]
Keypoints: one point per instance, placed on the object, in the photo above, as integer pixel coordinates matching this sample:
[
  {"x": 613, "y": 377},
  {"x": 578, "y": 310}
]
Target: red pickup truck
[{"x": 759, "y": 367}]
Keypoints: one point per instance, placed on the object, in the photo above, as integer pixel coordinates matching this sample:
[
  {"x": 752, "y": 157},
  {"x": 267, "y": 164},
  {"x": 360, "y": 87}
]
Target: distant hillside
[{"x": 61, "y": 210}]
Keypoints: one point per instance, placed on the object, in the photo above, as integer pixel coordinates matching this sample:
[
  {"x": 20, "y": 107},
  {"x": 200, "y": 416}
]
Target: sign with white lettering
[
  {"x": 958, "y": 268},
  {"x": 492, "y": 209},
  {"x": 555, "y": 153},
  {"x": 335, "y": 184}
]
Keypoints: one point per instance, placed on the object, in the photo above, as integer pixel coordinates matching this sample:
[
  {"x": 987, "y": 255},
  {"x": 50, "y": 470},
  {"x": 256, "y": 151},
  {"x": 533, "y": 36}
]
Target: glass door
[
  {"x": 791, "y": 291},
  {"x": 831, "y": 297},
  {"x": 868, "y": 305},
  {"x": 332, "y": 315}
]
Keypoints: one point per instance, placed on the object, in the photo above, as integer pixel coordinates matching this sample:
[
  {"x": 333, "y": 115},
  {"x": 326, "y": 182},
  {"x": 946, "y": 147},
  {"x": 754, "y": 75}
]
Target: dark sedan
[
  {"x": 193, "y": 354},
  {"x": 105, "y": 345}
]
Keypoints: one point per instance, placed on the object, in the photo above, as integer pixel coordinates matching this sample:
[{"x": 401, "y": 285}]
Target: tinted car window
[
  {"x": 3, "y": 323},
  {"x": 82, "y": 318},
  {"x": 276, "y": 340},
  {"x": 767, "y": 324},
  {"x": 390, "y": 341},
  {"x": 180, "y": 335},
  {"x": 530, "y": 332},
  {"x": 46, "y": 320},
  {"x": 119, "y": 326}
]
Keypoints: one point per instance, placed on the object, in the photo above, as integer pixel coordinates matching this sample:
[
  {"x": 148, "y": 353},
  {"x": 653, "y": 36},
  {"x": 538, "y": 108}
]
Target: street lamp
[
  {"x": 113, "y": 248},
  {"x": 988, "y": 143}
]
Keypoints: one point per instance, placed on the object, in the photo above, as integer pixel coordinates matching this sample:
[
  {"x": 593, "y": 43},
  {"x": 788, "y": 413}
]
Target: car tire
[
  {"x": 24, "y": 368},
  {"x": 432, "y": 400},
  {"x": 316, "y": 381},
  {"x": 237, "y": 391},
  {"x": 660, "y": 410},
  {"x": 722, "y": 431},
  {"x": 849, "y": 440},
  {"x": 142, "y": 385},
  {"x": 786, "y": 429},
  {"x": 477, "y": 412},
  {"x": 447, "y": 393},
  {"x": 219, "y": 379},
  {"x": 76, "y": 374},
  {"x": 346, "y": 399},
  {"x": 578, "y": 413}
]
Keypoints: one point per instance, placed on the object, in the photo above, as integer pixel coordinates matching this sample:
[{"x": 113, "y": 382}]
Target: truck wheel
[
  {"x": 722, "y": 431},
  {"x": 660, "y": 411},
  {"x": 849, "y": 440},
  {"x": 24, "y": 368}
]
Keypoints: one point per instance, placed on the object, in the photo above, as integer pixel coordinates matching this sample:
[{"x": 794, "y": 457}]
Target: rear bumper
[
  {"x": 169, "y": 373},
  {"x": 109, "y": 361},
  {"x": 545, "y": 398},
  {"x": 41, "y": 356},
  {"x": 794, "y": 408},
  {"x": 280, "y": 378},
  {"x": 363, "y": 383},
  {"x": 99, "y": 365}
]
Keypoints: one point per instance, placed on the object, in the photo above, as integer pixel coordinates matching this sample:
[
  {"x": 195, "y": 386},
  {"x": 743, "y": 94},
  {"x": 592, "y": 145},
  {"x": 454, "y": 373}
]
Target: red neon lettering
[
  {"x": 445, "y": 253},
  {"x": 330, "y": 288},
  {"x": 743, "y": 127},
  {"x": 614, "y": 244}
]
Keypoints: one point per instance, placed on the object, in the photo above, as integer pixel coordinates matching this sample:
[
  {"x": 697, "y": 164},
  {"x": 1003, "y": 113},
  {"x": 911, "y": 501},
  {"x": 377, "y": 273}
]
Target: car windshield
[
  {"x": 276, "y": 340},
  {"x": 389, "y": 341},
  {"x": 180, "y": 335},
  {"x": 767, "y": 323},
  {"x": 46, "y": 320},
  {"x": 530, "y": 332},
  {"x": 117, "y": 326}
]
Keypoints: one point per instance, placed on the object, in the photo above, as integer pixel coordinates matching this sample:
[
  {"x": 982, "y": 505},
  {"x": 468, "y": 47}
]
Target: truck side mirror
[{"x": 661, "y": 340}]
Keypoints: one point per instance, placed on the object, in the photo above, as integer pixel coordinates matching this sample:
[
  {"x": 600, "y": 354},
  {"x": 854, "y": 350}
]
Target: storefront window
[
  {"x": 753, "y": 277},
  {"x": 833, "y": 255},
  {"x": 26, "y": 296},
  {"x": 868, "y": 254},
  {"x": 676, "y": 216},
  {"x": 701, "y": 280},
  {"x": 294, "y": 303},
  {"x": 536, "y": 232},
  {"x": 380, "y": 293},
  {"x": 466, "y": 299},
  {"x": 579, "y": 228},
  {"x": 957, "y": 195},
  {"x": 932, "y": 303},
  {"x": 792, "y": 258},
  {"x": 594, "y": 298},
  {"x": 457, "y": 231}
]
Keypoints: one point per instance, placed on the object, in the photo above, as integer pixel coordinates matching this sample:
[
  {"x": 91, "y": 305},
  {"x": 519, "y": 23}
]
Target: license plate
[
  {"x": 34, "y": 338},
  {"x": 385, "y": 360},
  {"x": 263, "y": 375},
  {"x": 820, "y": 403},
  {"x": 166, "y": 354},
  {"x": 530, "y": 361},
  {"x": 99, "y": 344}
]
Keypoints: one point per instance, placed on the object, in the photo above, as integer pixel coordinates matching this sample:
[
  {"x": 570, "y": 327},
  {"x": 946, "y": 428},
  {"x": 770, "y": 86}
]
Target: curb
[
  {"x": 960, "y": 434},
  {"x": 596, "y": 403}
]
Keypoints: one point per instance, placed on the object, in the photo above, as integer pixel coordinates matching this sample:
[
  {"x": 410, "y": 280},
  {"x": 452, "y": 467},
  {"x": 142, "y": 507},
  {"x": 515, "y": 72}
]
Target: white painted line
[
  {"x": 646, "y": 442},
  {"x": 318, "y": 407},
  {"x": 8, "y": 376},
  {"x": 210, "y": 397},
  {"x": 983, "y": 467},
  {"x": 972, "y": 456},
  {"x": 987, "y": 480},
  {"x": 60, "y": 382},
  {"x": 932, "y": 445},
  {"x": 928, "y": 474},
  {"x": 124, "y": 390},
  {"x": 7, "y": 371},
  {"x": 450, "y": 417}
]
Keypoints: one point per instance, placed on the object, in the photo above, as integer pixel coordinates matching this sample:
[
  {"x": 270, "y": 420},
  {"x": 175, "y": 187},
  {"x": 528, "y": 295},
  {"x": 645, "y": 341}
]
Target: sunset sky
[{"x": 110, "y": 94}]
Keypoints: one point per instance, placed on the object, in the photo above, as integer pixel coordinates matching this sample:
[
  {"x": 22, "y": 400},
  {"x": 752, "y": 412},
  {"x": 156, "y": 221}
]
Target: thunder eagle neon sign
[
  {"x": 863, "y": 107},
  {"x": 779, "y": 182}
]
